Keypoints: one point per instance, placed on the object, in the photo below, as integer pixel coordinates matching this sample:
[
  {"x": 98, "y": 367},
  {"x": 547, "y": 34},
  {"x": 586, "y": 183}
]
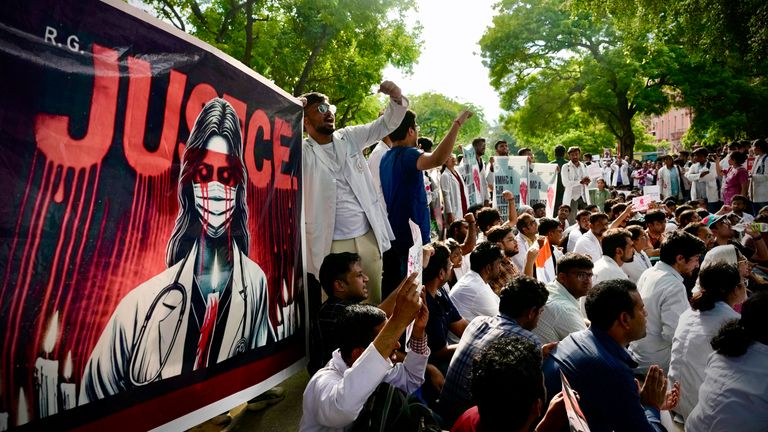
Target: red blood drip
[
  {"x": 228, "y": 196},
  {"x": 206, "y": 205},
  {"x": 206, "y": 331}
]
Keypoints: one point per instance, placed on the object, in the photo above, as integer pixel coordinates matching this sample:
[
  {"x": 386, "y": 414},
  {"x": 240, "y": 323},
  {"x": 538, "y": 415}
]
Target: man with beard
[
  {"x": 663, "y": 292},
  {"x": 561, "y": 315},
  {"x": 618, "y": 248},
  {"x": 589, "y": 243},
  {"x": 575, "y": 180},
  {"x": 339, "y": 192},
  {"x": 575, "y": 231}
]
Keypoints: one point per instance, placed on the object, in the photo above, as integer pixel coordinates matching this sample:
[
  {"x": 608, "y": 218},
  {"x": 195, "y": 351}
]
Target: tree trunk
[
  {"x": 248, "y": 33},
  {"x": 299, "y": 87}
]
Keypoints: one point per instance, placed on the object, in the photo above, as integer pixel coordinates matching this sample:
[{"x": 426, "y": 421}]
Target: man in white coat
[
  {"x": 575, "y": 180},
  {"x": 342, "y": 204},
  {"x": 703, "y": 177},
  {"x": 758, "y": 189},
  {"x": 620, "y": 173},
  {"x": 618, "y": 249},
  {"x": 669, "y": 180}
]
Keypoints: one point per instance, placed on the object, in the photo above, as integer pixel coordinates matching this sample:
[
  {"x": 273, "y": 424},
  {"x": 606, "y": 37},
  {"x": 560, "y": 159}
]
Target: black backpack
[{"x": 390, "y": 409}]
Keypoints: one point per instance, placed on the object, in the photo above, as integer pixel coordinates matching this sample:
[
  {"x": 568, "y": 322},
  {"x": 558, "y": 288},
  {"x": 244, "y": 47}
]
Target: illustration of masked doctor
[{"x": 210, "y": 304}]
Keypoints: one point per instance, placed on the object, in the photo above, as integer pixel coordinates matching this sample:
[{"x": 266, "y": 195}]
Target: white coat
[
  {"x": 320, "y": 191},
  {"x": 624, "y": 173},
  {"x": 758, "y": 188},
  {"x": 452, "y": 192},
  {"x": 710, "y": 179},
  {"x": 571, "y": 176},
  {"x": 665, "y": 182},
  {"x": 121, "y": 359}
]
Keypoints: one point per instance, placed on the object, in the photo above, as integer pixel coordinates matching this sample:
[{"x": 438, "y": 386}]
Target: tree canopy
[
  {"x": 562, "y": 70},
  {"x": 435, "y": 113},
  {"x": 338, "y": 47}
]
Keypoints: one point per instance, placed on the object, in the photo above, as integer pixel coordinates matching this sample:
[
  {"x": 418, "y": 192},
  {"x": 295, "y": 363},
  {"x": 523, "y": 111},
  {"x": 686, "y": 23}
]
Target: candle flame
[
  {"x": 68, "y": 366},
  {"x": 22, "y": 415},
  {"x": 51, "y": 334},
  {"x": 215, "y": 272}
]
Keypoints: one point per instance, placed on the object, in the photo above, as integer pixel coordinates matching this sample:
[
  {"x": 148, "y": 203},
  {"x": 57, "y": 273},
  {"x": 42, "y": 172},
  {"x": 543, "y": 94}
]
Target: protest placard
[
  {"x": 470, "y": 172},
  {"x": 576, "y": 419},
  {"x": 653, "y": 191},
  {"x": 510, "y": 173},
  {"x": 641, "y": 203},
  {"x": 542, "y": 184}
]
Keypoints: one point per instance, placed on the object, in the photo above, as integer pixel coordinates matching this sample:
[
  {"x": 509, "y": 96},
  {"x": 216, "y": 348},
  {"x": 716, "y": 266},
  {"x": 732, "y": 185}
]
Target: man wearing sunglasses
[{"x": 341, "y": 204}]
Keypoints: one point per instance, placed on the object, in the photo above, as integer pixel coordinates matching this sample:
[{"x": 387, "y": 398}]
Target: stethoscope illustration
[{"x": 135, "y": 369}]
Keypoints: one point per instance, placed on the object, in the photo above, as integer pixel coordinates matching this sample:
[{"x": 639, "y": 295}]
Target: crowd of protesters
[{"x": 656, "y": 318}]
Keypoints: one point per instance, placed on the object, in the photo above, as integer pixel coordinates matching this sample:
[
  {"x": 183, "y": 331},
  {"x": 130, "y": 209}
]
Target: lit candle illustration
[
  {"x": 47, "y": 371},
  {"x": 68, "y": 389},
  {"x": 22, "y": 414}
]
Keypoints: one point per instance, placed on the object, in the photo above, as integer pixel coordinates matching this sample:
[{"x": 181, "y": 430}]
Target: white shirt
[
  {"x": 473, "y": 297},
  {"x": 374, "y": 161},
  {"x": 590, "y": 245},
  {"x": 561, "y": 315},
  {"x": 662, "y": 290},
  {"x": 571, "y": 176},
  {"x": 709, "y": 180},
  {"x": 574, "y": 234},
  {"x": 639, "y": 264},
  {"x": 336, "y": 394},
  {"x": 691, "y": 348},
  {"x": 734, "y": 395},
  {"x": 348, "y": 208},
  {"x": 523, "y": 244},
  {"x": 607, "y": 269}
]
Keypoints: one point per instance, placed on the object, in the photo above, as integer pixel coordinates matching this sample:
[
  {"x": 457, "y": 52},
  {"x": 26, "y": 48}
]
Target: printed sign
[
  {"x": 511, "y": 174},
  {"x": 471, "y": 175}
]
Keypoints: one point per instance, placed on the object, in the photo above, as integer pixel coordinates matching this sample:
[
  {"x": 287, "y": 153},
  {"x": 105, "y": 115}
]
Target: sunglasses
[{"x": 324, "y": 108}]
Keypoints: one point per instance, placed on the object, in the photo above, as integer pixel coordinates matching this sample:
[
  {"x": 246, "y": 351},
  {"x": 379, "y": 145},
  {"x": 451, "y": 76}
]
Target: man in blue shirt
[
  {"x": 601, "y": 370},
  {"x": 521, "y": 303},
  {"x": 402, "y": 182}
]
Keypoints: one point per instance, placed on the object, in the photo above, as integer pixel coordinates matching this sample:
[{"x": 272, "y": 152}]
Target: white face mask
[{"x": 215, "y": 203}]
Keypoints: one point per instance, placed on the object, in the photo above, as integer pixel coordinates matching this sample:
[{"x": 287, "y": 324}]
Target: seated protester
[
  {"x": 472, "y": 295},
  {"x": 734, "y": 395},
  {"x": 618, "y": 249},
  {"x": 521, "y": 304},
  {"x": 527, "y": 229},
  {"x": 656, "y": 222},
  {"x": 457, "y": 261},
  {"x": 562, "y": 315},
  {"x": 599, "y": 368},
  {"x": 640, "y": 261},
  {"x": 504, "y": 237},
  {"x": 443, "y": 316},
  {"x": 486, "y": 219},
  {"x": 539, "y": 210},
  {"x": 739, "y": 206},
  {"x": 616, "y": 210},
  {"x": 592, "y": 208},
  {"x": 510, "y": 363},
  {"x": 721, "y": 229},
  {"x": 748, "y": 240},
  {"x": 552, "y": 231},
  {"x": 700, "y": 230},
  {"x": 689, "y": 216},
  {"x": 608, "y": 205},
  {"x": 722, "y": 288},
  {"x": 589, "y": 243},
  {"x": 335, "y": 395},
  {"x": 575, "y": 231},
  {"x": 702, "y": 213},
  {"x": 465, "y": 233},
  {"x": 664, "y": 295},
  {"x": 563, "y": 213},
  {"x": 344, "y": 282}
]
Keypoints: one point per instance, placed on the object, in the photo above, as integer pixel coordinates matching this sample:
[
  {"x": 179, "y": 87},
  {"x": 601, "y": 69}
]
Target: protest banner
[
  {"x": 542, "y": 184},
  {"x": 153, "y": 265},
  {"x": 510, "y": 173},
  {"x": 470, "y": 172}
]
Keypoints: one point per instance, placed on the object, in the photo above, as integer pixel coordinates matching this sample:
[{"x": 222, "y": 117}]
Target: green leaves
[{"x": 436, "y": 112}]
